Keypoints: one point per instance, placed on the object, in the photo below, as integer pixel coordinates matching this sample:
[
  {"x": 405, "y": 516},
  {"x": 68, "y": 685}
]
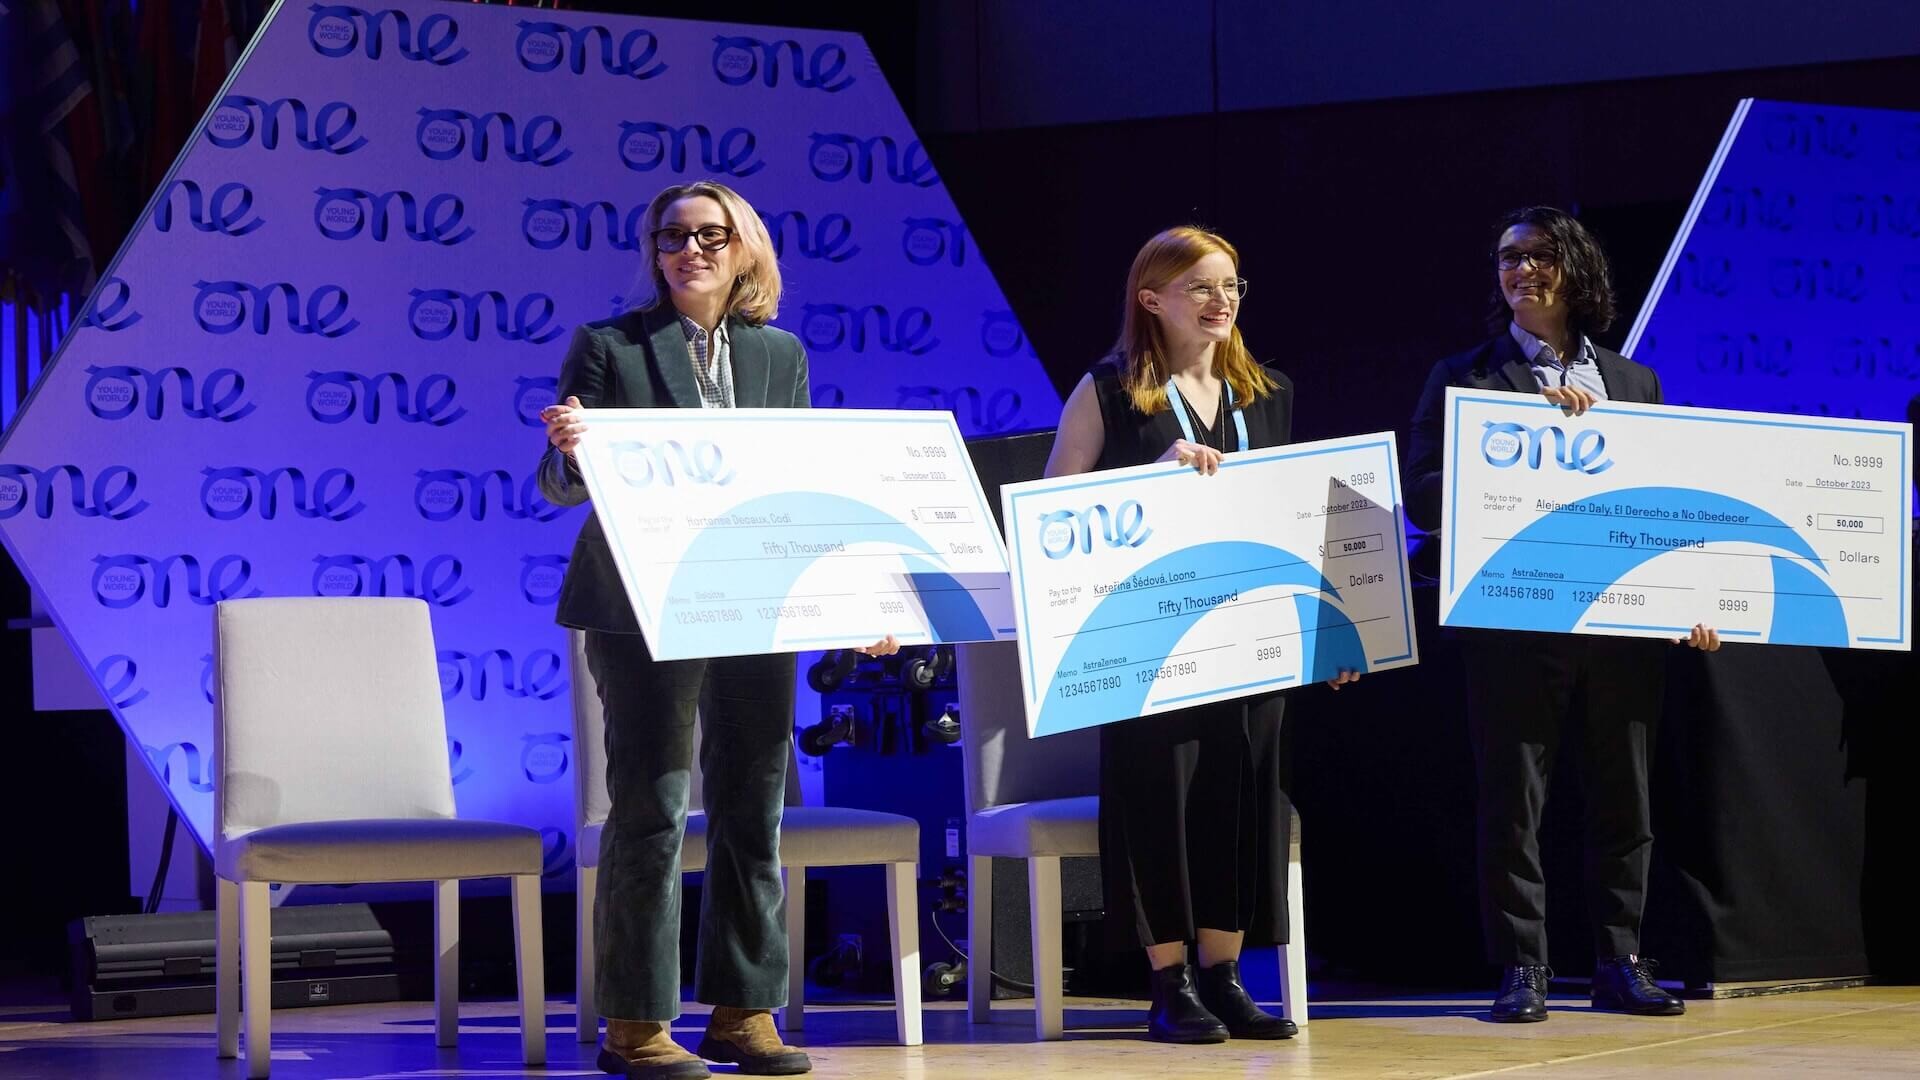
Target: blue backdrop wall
[{"x": 1794, "y": 283}]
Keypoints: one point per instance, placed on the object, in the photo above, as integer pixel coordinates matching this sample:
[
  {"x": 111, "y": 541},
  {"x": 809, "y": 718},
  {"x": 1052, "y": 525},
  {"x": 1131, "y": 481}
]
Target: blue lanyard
[{"x": 1186, "y": 426}]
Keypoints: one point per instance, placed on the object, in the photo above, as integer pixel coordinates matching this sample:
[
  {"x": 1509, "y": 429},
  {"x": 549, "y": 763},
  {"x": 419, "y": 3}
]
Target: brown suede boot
[
  {"x": 747, "y": 1037},
  {"x": 645, "y": 1050}
]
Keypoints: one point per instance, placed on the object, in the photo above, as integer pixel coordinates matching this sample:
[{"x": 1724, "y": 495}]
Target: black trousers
[
  {"x": 745, "y": 707},
  {"x": 1527, "y": 696},
  {"x": 1194, "y": 824}
]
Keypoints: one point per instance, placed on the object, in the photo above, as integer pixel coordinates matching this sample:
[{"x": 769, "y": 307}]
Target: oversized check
[
  {"x": 1642, "y": 520},
  {"x": 741, "y": 531},
  {"x": 1154, "y": 588}
]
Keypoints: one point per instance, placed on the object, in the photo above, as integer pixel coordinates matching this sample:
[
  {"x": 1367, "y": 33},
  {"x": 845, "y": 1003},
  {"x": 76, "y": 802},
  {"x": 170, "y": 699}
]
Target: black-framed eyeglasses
[
  {"x": 1511, "y": 258},
  {"x": 671, "y": 238},
  {"x": 1234, "y": 289}
]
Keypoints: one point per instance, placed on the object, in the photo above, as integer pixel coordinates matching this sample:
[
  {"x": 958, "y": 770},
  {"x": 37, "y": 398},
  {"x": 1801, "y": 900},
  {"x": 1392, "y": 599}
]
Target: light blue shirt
[{"x": 1583, "y": 371}]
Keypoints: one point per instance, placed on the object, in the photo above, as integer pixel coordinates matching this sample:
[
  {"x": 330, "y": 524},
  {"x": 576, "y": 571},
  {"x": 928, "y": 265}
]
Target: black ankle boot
[
  {"x": 1224, "y": 997},
  {"x": 1177, "y": 1015}
]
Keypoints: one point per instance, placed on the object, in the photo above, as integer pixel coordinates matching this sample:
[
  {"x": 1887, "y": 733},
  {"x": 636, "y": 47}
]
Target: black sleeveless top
[{"x": 1134, "y": 439}]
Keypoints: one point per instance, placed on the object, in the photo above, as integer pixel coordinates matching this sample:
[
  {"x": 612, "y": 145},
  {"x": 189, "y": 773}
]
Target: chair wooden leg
[
  {"x": 980, "y": 939},
  {"x": 794, "y": 1016},
  {"x": 903, "y": 918},
  {"x": 1043, "y": 909},
  {"x": 226, "y": 966},
  {"x": 1293, "y": 955},
  {"x": 530, "y": 968},
  {"x": 587, "y": 1014},
  {"x": 256, "y": 972},
  {"x": 446, "y": 963}
]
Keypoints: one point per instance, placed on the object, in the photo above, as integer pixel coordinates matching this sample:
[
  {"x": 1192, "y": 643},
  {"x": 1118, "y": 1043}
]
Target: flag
[{"x": 43, "y": 234}]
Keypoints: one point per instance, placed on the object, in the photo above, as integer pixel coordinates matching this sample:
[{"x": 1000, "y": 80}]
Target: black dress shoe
[
  {"x": 1177, "y": 1015},
  {"x": 1523, "y": 995},
  {"x": 1225, "y": 998},
  {"x": 1625, "y": 984}
]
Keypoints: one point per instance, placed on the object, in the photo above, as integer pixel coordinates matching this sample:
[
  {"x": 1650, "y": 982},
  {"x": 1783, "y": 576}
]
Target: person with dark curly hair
[{"x": 1528, "y": 693}]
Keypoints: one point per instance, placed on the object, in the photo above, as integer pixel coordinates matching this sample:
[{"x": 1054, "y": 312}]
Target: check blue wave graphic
[
  {"x": 1805, "y": 610},
  {"x": 952, "y": 614},
  {"x": 1575, "y": 545},
  {"x": 727, "y": 559},
  {"x": 1129, "y": 623}
]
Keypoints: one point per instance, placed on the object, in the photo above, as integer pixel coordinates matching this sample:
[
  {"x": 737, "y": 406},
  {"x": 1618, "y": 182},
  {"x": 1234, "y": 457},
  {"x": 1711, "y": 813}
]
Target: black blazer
[
  {"x": 1496, "y": 364},
  {"x": 641, "y": 360}
]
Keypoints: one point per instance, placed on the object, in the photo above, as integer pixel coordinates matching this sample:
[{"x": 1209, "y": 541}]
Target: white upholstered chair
[
  {"x": 1038, "y": 800},
  {"x": 332, "y": 752},
  {"x": 809, "y": 836}
]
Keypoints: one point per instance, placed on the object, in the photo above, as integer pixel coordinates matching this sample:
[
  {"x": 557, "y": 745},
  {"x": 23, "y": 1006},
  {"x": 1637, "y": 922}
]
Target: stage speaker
[
  {"x": 162, "y": 965},
  {"x": 1083, "y": 951}
]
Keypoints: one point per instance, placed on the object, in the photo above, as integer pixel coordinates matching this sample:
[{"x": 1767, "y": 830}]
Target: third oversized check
[
  {"x": 1153, "y": 588},
  {"x": 1642, "y": 520}
]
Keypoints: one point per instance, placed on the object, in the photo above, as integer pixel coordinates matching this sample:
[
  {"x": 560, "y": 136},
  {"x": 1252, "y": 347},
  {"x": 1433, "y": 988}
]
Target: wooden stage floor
[{"x": 1861, "y": 1032}]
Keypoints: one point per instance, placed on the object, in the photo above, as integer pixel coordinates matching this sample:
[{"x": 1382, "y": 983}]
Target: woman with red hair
[{"x": 1194, "y": 824}]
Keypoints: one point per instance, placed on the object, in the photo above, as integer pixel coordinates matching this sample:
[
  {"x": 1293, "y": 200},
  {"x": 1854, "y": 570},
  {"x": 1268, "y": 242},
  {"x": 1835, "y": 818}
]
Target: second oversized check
[
  {"x": 1153, "y": 588},
  {"x": 741, "y": 531}
]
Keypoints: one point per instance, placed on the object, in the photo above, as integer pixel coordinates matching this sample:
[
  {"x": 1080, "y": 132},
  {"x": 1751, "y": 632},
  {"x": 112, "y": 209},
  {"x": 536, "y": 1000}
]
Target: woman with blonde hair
[
  {"x": 1194, "y": 824},
  {"x": 701, "y": 342}
]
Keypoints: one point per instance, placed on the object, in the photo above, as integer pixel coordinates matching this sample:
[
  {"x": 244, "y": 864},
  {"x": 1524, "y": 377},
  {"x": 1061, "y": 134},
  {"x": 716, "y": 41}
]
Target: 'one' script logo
[
  {"x": 641, "y": 464},
  {"x": 1062, "y": 532},
  {"x": 1504, "y": 444}
]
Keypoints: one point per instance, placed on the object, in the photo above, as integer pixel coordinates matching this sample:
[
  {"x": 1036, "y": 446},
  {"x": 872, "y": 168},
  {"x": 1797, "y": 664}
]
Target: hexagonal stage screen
[{"x": 316, "y": 366}]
